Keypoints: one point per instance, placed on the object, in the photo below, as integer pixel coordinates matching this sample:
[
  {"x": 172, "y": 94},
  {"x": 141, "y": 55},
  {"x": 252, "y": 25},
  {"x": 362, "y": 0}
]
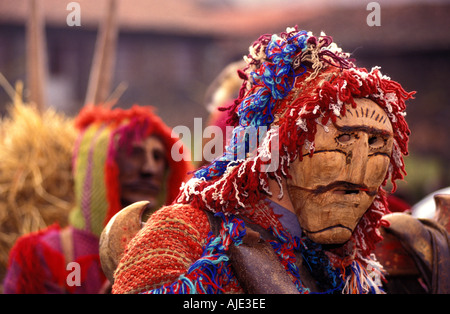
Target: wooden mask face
[
  {"x": 141, "y": 171},
  {"x": 332, "y": 190}
]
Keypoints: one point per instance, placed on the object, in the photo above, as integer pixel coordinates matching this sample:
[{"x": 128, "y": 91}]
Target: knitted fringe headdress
[
  {"x": 102, "y": 132},
  {"x": 292, "y": 83}
]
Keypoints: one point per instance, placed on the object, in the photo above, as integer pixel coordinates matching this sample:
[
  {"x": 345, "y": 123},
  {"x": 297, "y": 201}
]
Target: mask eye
[
  {"x": 158, "y": 155},
  {"x": 376, "y": 141},
  {"x": 346, "y": 138}
]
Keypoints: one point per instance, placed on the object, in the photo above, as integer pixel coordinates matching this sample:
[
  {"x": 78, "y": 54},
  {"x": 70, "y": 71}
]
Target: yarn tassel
[{"x": 362, "y": 280}]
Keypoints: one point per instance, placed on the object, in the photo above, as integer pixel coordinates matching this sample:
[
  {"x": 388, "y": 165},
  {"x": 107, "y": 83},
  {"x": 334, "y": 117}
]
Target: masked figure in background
[
  {"x": 301, "y": 212},
  {"x": 120, "y": 157},
  {"x": 219, "y": 95}
]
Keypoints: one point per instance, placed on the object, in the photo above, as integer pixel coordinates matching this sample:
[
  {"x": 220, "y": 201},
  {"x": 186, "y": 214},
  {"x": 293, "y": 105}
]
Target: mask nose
[
  {"x": 356, "y": 160},
  {"x": 150, "y": 165}
]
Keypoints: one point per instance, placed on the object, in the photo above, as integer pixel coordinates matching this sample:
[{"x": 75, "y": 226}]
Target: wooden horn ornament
[{"x": 121, "y": 228}]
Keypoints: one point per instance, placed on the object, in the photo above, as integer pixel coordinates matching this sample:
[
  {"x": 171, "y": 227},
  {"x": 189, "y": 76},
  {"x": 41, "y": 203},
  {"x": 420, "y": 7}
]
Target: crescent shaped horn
[{"x": 121, "y": 228}]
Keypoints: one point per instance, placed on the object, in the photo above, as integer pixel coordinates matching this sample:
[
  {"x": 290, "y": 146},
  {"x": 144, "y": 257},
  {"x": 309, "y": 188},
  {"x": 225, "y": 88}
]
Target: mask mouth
[
  {"x": 328, "y": 228},
  {"x": 149, "y": 188},
  {"x": 341, "y": 188},
  {"x": 346, "y": 192},
  {"x": 347, "y": 188}
]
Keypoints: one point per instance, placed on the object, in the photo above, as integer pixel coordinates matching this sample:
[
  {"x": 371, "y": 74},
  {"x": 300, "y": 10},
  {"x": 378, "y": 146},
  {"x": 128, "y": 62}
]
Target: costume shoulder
[
  {"x": 418, "y": 249},
  {"x": 29, "y": 259},
  {"x": 169, "y": 242}
]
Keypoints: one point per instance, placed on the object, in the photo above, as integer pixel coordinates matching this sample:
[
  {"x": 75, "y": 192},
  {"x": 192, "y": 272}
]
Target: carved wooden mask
[
  {"x": 332, "y": 190},
  {"x": 141, "y": 171}
]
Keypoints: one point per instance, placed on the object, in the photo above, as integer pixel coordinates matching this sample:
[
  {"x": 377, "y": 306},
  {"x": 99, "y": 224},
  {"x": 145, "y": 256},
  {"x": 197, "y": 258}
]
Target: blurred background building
[{"x": 170, "y": 51}]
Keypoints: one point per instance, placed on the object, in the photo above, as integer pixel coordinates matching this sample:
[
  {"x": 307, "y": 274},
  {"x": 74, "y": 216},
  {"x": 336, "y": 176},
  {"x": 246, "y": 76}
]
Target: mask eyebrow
[{"x": 363, "y": 128}]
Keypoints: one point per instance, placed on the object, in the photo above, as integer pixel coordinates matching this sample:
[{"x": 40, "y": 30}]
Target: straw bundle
[{"x": 36, "y": 185}]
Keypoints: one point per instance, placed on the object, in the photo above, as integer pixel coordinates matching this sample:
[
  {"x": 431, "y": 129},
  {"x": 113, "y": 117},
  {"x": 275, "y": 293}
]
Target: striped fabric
[{"x": 89, "y": 172}]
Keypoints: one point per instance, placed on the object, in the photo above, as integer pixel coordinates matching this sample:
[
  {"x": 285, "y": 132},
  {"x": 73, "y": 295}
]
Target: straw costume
[
  {"x": 36, "y": 179},
  {"x": 38, "y": 260},
  {"x": 293, "y": 84}
]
